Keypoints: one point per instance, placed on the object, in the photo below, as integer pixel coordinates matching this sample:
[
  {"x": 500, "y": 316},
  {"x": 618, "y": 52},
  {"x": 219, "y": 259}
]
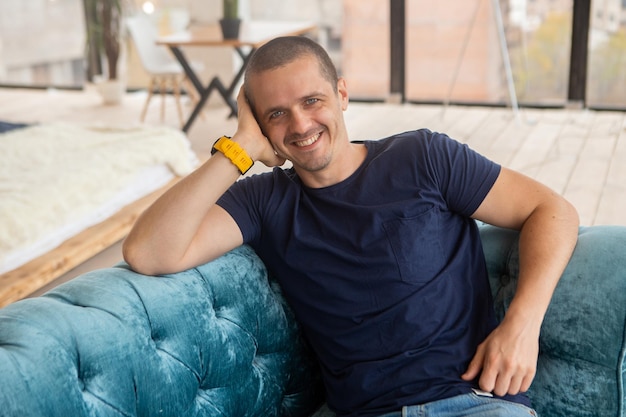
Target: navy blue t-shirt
[{"x": 384, "y": 270}]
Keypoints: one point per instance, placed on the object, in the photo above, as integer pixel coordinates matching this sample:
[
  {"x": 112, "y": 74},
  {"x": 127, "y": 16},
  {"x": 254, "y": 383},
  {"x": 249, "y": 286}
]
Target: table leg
[
  {"x": 228, "y": 94},
  {"x": 197, "y": 84},
  {"x": 182, "y": 59}
]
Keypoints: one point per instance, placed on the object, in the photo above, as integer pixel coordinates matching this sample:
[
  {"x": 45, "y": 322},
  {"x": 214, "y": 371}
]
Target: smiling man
[{"x": 374, "y": 244}]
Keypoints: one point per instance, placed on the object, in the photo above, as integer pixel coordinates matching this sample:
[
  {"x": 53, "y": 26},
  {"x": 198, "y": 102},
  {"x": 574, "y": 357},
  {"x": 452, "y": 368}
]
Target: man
[{"x": 374, "y": 244}]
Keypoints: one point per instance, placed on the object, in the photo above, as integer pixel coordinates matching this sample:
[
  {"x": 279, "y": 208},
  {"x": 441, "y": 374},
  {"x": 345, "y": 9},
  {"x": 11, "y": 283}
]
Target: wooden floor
[{"x": 579, "y": 153}]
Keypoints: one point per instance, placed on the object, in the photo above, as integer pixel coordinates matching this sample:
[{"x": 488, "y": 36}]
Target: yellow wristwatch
[{"x": 234, "y": 152}]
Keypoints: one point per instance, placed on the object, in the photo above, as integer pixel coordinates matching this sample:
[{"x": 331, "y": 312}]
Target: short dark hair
[{"x": 281, "y": 51}]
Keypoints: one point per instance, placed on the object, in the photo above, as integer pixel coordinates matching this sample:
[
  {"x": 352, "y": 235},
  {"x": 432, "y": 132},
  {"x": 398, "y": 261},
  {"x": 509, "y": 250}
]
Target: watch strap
[{"x": 235, "y": 153}]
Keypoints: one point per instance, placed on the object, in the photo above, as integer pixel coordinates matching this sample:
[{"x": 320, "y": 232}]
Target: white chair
[{"x": 158, "y": 62}]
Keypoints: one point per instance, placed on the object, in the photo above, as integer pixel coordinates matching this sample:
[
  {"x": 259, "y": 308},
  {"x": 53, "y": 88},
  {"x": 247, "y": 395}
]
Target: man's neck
[{"x": 352, "y": 156}]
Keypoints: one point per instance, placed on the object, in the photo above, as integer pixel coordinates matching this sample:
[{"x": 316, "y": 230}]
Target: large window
[
  {"x": 477, "y": 51},
  {"x": 539, "y": 37},
  {"x": 365, "y": 48},
  {"x": 606, "y": 82},
  {"x": 482, "y": 49}
]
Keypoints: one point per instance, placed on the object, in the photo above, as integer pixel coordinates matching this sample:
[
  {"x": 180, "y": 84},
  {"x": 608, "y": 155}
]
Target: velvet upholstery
[
  {"x": 581, "y": 367},
  {"x": 211, "y": 341},
  {"x": 218, "y": 340}
]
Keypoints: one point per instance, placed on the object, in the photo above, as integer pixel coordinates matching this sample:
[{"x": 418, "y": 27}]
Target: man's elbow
[
  {"x": 568, "y": 213},
  {"x": 138, "y": 260}
]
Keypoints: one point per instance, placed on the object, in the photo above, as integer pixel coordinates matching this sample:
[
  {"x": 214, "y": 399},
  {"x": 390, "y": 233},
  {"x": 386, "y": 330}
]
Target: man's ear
[
  {"x": 246, "y": 94},
  {"x": 342, "y": 91}
]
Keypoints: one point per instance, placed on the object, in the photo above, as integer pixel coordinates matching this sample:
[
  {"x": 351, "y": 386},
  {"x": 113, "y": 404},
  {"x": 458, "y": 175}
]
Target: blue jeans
[{"x": 467, "y": 405}]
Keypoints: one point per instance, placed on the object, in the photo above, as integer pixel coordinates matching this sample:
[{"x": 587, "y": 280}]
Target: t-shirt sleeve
[
  {"x": 242, "y": 202},
  {"x": 464, "y": 176}
]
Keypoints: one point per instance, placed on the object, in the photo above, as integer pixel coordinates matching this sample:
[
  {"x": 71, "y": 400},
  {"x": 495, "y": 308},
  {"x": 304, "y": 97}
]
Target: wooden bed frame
[{"x": 23, "y": 281}]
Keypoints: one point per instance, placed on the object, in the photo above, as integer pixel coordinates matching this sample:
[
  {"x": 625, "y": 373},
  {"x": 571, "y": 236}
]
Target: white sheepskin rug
[{"x": 67, "y": 177}]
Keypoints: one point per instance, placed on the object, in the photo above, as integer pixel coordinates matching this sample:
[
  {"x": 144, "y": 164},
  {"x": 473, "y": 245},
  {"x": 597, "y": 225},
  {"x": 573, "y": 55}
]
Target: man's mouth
[{"x": 307, "y": 142}]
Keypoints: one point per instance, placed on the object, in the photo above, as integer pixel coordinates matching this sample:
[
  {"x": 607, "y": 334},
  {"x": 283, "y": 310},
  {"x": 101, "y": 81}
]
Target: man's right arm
[{"x": 184, "y": 227}]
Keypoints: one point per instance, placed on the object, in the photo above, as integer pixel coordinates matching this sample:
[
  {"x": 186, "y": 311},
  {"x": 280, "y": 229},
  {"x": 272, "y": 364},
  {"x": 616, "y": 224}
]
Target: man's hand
[
  {"x": 250, "y": 136},
  {"x": 507, "y": 358}
]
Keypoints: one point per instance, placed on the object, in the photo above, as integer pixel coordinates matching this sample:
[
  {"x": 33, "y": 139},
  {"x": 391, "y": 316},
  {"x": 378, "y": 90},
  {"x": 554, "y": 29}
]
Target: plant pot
[
  {"x": 230, "y": 28},
  {"x": 111, "y": 91}
]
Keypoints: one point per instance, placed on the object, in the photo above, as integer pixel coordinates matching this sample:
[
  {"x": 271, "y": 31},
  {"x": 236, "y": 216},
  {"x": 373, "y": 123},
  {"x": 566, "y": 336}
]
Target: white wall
[{"x": 40, "y": 34}]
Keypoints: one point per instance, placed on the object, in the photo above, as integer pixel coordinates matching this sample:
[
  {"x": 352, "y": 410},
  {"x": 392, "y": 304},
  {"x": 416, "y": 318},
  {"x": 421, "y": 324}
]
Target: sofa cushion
[{"x": 581, "y": 366}]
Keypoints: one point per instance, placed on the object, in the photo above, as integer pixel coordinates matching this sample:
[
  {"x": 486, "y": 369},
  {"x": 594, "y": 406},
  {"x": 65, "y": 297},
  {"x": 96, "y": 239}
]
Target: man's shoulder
[
  {"x": 419, "y": 137},
  {"x": 409, "y": 142}
]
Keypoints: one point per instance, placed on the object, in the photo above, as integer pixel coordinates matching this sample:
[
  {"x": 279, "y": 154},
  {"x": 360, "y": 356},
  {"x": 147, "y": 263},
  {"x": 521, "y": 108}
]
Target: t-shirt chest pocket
[{"x": 415, "y": 242}]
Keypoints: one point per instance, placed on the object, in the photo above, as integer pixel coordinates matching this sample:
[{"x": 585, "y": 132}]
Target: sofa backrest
[
  {"x": 581, "y": 369},
  {"x": 212, "y": 341}
]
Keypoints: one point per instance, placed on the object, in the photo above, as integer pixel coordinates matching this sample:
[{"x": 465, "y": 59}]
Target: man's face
[{"x": 300, "y": 113}]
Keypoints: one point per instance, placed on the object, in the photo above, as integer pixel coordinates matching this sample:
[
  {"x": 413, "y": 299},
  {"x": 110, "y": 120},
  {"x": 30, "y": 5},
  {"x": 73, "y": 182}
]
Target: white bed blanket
[{"x": 58, "y": 179}]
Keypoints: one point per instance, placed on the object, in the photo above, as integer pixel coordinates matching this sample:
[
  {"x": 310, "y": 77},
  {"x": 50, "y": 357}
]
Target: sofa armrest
[
  {"x": 215, "y": 340},
  {"x": 581, "y": 369}
]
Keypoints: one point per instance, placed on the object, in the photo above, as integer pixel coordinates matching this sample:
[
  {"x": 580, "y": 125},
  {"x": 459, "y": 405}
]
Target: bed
[{"x": 69, "y": 191}]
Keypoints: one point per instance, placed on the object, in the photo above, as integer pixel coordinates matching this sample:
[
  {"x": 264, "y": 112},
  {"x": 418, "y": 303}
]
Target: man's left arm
[{"x": 548, "y": 224}]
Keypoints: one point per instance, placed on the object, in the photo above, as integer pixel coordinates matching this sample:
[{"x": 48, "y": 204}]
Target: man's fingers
[
  {"x": 506, "y": 384},
  {"x": 475, "y": 365},
  {"x": 488, "y": 379},
  {"x": 503, "y": 377},
  {"x": 527, "y": 381},
  {"x": 506, "y": 364}
]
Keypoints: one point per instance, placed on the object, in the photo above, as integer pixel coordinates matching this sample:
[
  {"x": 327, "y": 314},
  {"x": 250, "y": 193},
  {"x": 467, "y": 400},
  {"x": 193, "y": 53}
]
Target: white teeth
[{"x": 308, "y": 142}]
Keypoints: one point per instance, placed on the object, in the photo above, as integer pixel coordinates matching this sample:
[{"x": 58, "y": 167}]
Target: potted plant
[
  {"x": 230, "y": 21},
  {"x": 104, "y": 40}
]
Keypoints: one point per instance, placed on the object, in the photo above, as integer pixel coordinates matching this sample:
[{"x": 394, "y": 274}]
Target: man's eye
[
  {"x": 276, "y": 114},
  {"x": 311, "y": 100}
]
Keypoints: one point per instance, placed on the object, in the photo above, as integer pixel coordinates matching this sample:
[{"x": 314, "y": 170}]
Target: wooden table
[{"x": 252, "y": 35}]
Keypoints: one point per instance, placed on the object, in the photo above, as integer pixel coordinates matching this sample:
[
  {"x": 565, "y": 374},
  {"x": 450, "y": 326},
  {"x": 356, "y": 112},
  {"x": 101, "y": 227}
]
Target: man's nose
[{"x": 299, "y": 122}]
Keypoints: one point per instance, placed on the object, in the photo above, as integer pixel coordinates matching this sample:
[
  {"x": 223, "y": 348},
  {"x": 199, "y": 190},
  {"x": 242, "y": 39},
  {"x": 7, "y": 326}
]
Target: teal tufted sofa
[{"x": 218, "y": 340}]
